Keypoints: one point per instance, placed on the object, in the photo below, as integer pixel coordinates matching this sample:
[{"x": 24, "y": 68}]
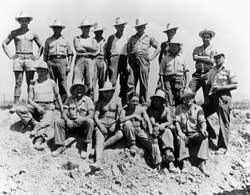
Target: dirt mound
[{"x": 23, "y": 170}]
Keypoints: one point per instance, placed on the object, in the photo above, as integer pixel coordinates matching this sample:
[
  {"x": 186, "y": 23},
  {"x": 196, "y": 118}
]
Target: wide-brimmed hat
[
  {"x": 23, "y": 14},
  {"x": 218, "y": 53},
  {"x": 119, "y": 21},
  {"x": 43, "y": 65},
  {"x": 140, "y": 22},
  {"x": 85, "y": 22},
  {"x": 159, "y": 94},
  {"x": 107, "y": 86},
  {"x": 57, "y": 23},
  {"x": 170, "y": 27},
  {"x": 187, "y": 93},
  {"x": 98, "y": 27},
  {"x": 78, "y": 83},
  {"x": 212, "y": 33}
]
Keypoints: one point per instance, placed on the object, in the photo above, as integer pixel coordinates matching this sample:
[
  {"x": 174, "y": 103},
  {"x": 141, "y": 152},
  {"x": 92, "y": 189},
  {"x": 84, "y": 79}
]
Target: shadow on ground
[{"x": 236, "y": 192}]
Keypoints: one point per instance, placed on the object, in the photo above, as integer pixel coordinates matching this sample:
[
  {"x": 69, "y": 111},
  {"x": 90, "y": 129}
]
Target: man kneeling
[
  {"x": 191, "y": 127},
  {"x": 77, "y": 116}
]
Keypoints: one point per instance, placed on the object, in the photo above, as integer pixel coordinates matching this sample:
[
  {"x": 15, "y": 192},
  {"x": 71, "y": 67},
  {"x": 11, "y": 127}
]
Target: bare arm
[
  {"x": 57, "y": 96},
  {"x": 39, "y": 45},
  {"x": 156, "y": 52},
  {"x": 31, "y": 97},
  {"x": 5, "y": 45},
  {"x": 146, "y": 118}
]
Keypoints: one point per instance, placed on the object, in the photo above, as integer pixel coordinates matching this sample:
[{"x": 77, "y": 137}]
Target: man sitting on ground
[
  {"x": 42, "y": 93},
  {"x": 77, "y": 116},
  {"x": 191, "y": 127}
]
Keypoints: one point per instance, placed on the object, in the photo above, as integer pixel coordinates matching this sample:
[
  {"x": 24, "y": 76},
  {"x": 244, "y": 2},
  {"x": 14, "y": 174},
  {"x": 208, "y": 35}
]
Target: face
[
  {"x": 134, "y": 101},
  {"x": 108, "y": 94},
  {"x": 157, "y": 102},
  {"x": 78, "y": 91},
  {"x": 140, "y": 29},
  {"x": 188, "y": 100},
  {"x": 57, "y": 29},
  {"x": 174, "y": 48},
  {"x": 120, "y": 28},
  {"x": 98, "y": 33},
  {"x": 24, "y": 21},
  {"x": 171, "y": 33},
  {"x": 219, "y": 59},
  {"x": 206, "y": 38},
  {"x": 42, "y": 72},
  {"x": 85, "y": 29}
]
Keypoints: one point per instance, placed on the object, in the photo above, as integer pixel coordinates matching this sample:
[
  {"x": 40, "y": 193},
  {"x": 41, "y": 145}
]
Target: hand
[
  {"x": 70, "y": 123},
  {"x": 155, "y": 132},
  {"x": 204, "y": 133},
  {"x": 161, "y": 127},
  {"x": 79, "y": 120},
  {"x": 104, "y": 130},
  {"x": 215, "y": 89},
  {"x": 15, "y": 56},
  {"x": 136, "y": 117},
  {"x": 40, "y": 110},
  {"x": 183, "y": 136},
  {"x": 34, "y": 58},
  {"x": 67, "y": 70}
]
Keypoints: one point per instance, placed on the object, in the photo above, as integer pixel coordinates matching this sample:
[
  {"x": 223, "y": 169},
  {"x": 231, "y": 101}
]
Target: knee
[
  {"x": 20, "y": 109},
  {"x": 119, "y": 134},
  {"x": 128, "y": 125}
]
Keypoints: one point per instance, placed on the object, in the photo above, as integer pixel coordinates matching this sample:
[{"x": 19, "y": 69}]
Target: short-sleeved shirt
[
  {"x": 140, "y": 45},
  {"x": 221, "y": 77},
  {"x": 59, "y": 46},
  {"x": 202, "y": 51},
  {"x": 173, "y": 65},
  {"x": 101, "y": 47},
  {"x": 78, "y": 108},
  {"x": 190, "y": 119},
  {"x": 85, "y": 42}
]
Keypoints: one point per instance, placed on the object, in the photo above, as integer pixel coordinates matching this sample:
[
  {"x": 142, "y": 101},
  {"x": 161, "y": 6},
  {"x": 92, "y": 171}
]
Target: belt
[
  {"x": 38, "y": 102},
  {"x": 25, "y": 53},
  {"x": 57, "y": 57},
  {"x": 86, "y": 56}
]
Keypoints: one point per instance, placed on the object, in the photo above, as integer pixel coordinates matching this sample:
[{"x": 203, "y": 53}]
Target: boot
[
  {"x": 172, "y": 168},
  {"x": 186, "y": 166},
  {"x": 132, "y": 149}
]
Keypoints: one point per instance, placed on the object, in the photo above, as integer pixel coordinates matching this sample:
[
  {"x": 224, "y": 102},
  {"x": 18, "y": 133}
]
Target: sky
[{"x": 230, "y": 19}]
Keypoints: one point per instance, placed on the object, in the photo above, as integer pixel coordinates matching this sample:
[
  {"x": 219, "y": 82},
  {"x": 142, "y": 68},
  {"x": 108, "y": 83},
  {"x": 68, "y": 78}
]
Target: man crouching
[
  {"x": 40, "y": 108},
  {"x": 77, "y": 117}
]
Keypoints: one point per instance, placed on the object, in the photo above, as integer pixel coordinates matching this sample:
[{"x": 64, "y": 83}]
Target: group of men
[{"x": 171, "y": 128}]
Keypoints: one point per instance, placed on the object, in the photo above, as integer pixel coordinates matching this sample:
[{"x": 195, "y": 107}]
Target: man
[
  {"x": 203, "y": 57},
  {"x": 107, "y": 119},
  {"x": 86, "y": 48},
  {"x": 23, "y": 58},
  {"x": 170, "y": 31},
  {"x": 116, "y": 55},
  {"x": 173, "y": 73},
  {"x": 220, "y": 83},
  {"x": 39, "y": 112},
  {"x": 58, "y": 54},
  {"x": 132, "y": 117},
  {"x": 161, "y": 118},
  {"x": 191, "y": 128},
  {"x": 100, "y": 62},
  {"x": 77, "y": 117},
  {"x": 139, "y": 59}
]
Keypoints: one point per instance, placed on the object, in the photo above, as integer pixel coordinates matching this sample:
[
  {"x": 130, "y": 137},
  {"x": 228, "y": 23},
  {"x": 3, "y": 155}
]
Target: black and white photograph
[{"x": 125, "y": 97}]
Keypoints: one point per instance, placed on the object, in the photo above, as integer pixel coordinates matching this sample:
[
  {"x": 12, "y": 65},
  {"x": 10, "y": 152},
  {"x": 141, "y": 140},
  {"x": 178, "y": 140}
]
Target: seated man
[
  {"x": 161, "y": 119},
  {"x": 132, "y": 116},
  {"x": 191, "y": 128},
  {"x": 77, "y": 116},
  {"x": 107, "y": 118},
  {"x": 42, "y": 93}
]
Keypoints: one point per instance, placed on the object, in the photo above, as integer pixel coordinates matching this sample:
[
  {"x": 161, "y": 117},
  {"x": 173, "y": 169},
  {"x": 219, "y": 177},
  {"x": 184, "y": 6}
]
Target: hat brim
[
  {"x": 144, "y": 24},
  {"x": 18, "y": 18},
  {"x": 78, "y": 84},
  {"x": 212, "y": 33},
  {"x": 52, "y": 26},
  {"x": 219, "y": 54},
  {"x": 88, "y": 25},
  {"x": 100, "y": 29},
  {"x": 175, "y": 28},
  {"x": 42, "y": 68},
  {"x": 156, "y": 96},
  {"x": 123, "y": 23},
  {"x": 188, "y": 95},
  {"x": 107, "y": 89}
]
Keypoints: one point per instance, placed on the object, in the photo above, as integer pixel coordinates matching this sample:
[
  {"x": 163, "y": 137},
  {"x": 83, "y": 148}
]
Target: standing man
[
  {"x": 23, "y": 58},
  {"x": 191, "y": 128},
  {"x": 116, "y": 55},
  {"x": 86, "y": 48},
  {"x": 220, "y": 83},
  {"x": 58, "y": 54},
  {"x": 203, "y": 57},
  {"x": 139, "y": 59},
  {"x": 100, "y": 62},
  {"x": 173, "y": 73}
]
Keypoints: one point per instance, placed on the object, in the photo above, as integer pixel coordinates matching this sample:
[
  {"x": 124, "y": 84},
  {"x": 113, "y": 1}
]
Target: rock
[{"x": 70, "y": 166}]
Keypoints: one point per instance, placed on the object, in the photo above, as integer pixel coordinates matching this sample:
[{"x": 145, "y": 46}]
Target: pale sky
[{"x": 230, "y": 19}]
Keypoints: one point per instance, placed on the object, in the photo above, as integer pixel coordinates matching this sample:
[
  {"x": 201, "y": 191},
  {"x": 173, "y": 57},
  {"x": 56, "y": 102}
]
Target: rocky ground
[{"x": 23, "y": 170}]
